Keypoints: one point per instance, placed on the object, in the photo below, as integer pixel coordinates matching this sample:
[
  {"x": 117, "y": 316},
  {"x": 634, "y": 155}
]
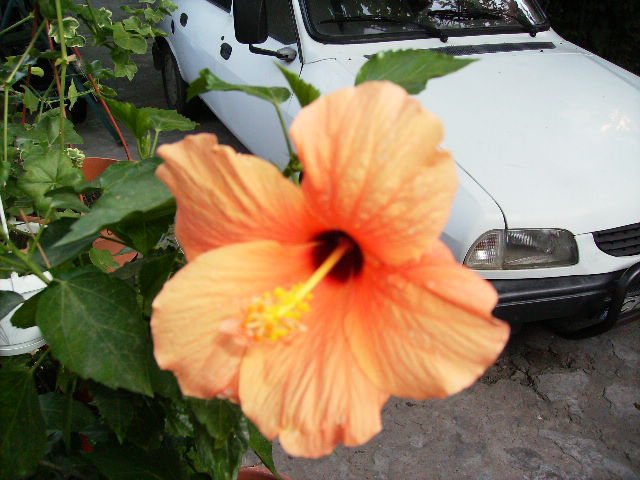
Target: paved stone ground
[{"x": 549, "y": 409}]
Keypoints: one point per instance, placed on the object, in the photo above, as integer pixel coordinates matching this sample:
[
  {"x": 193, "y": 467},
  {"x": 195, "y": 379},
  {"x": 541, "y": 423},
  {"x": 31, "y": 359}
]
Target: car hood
[{"x": 554, "y": 138}]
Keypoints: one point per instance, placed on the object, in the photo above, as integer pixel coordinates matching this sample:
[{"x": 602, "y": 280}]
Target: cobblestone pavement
[{"x": 549, "y": 409}]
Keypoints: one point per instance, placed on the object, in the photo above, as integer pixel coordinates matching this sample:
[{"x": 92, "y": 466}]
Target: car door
[{"x": 252, "y": 120}]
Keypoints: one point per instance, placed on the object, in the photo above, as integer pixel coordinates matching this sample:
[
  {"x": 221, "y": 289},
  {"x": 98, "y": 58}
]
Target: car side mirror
[{"x": 250, "y": 21}]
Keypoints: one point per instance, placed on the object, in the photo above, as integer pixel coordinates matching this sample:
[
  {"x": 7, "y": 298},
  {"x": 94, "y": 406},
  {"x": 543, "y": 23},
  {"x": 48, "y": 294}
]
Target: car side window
[
  {"x": 280, "y": 21},
  {"x": 223, "y": 4}
]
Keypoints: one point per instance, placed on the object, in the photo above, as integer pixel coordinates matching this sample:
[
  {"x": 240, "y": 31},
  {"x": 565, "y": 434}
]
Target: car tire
[{"x": 175, "y": 88}]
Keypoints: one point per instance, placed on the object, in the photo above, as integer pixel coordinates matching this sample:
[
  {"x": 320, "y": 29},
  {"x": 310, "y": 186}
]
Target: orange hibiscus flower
[{"x": 311, "y": 305}]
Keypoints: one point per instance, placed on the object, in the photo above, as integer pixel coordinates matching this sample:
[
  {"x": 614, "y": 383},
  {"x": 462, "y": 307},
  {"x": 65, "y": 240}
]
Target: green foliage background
[{"x": 610, "y": 29}]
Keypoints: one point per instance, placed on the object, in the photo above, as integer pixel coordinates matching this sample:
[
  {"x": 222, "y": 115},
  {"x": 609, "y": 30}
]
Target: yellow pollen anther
[{"x": 278, "y": 313}]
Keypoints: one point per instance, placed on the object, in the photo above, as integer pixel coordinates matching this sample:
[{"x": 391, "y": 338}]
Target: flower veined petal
[
  {"x": 372, "y": 167},
  {"x": 197, "y": 317},
  {"x": 310, "y": 390},
  {"x": 425, "y": 330},
  {"x": 225, "y": 197}
]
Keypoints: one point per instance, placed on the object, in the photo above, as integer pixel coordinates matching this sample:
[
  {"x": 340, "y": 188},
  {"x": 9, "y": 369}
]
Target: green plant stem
[
  {"x": 5, "y": 152},
  {"x": 35, "y": 366},
  {"x": 63, "y": 71},
  {"x": 11, "y": 262},
  {"x": 17, "y": 24},
  {"x": 25, "y": 259},
  {"x": 284, "y": 131},
  {"x": 155, "y": 144}
]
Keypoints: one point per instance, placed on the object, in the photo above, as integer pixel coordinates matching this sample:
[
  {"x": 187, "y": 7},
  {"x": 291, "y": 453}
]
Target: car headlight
[{"x": 523, "y": 248}]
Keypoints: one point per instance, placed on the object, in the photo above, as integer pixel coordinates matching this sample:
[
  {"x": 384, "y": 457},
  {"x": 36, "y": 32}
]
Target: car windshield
[{"x": 343, "y": 21}]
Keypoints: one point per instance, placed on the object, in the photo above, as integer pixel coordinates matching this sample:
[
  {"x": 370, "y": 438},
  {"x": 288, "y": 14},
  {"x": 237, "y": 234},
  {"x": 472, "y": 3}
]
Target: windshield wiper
[
  {"x": 481, "y": 13},
  {"x": 433, "y": 31}
]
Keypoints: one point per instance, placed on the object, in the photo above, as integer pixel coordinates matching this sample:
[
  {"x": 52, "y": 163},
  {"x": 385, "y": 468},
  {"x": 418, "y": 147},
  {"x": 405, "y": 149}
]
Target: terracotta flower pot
[{"x": 258, "y": 473}]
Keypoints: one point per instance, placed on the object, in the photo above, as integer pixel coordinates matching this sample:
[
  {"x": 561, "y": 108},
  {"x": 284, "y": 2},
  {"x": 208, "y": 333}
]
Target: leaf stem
[
  {"x": 63, "y": 71},
  {"x": 35, "y": 366},
  {"x": 17, "y": 24}
]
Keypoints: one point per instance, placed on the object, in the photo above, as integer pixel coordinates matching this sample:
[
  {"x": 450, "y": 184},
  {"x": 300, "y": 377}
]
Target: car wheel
[{"x": 175, "y": 88}]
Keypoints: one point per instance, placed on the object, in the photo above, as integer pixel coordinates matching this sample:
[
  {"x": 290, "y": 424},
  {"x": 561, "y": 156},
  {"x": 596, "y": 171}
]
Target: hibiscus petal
[
  {"x": 373, "y": 168},
  {"x": 309, "y": 389},
  {"x": 224, "y": 197},
  {"x": 425, "y": 330},
  {"x": 197, "y": 317}
]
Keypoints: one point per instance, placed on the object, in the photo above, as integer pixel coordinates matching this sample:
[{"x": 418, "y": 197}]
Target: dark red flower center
[{"x": 350, "y": 265}]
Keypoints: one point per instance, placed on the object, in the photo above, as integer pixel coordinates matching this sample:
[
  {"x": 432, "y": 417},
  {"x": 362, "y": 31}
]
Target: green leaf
[
  {"x": 147, "y": 428},
  {"x": 221, "y": 459},
  {"x": 124, "y": 67},
  {"x": 57, "y": 411},
  {"x": 163, "y": 381},
  {"x": 103, "y": 259},
  {"x": 47, "y": 130},
  {"x": 411, "y": 69},
  {"x": 25, "y": 316},
  {"x": 142, "y": 234},
  {"x": 207, "y": 81},
  {"x": 129, "y": 188},
  {"x": 94, "y": 327},
  {"x": 128, "y": 41},
  {"x": 22, "y": 436},
  {"x": 56, "y": 255},
  {"x": 66, "y": 198},
  {"x": 142, "y": 120},
  {"x": 304, "y": 92},
  {"x": 167, "y": 120},
  {"x": 46, "y": 170},
  {"x": 154, "y": 273},
  {"x": 72, "y": 94},
  {"x": 262, "y": 448},
  {"x": 30, "y": 100},
  {"x": 131, "y": 463},
  {"x": 220, "y": 417},
  {"x": 9, "y": 301},
  {"x": 116, "y": 408},
  {"x": 178, "y": 421}
]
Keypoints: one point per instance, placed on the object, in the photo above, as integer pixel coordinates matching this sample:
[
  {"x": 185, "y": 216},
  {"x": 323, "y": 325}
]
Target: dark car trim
[{"x": 587, "y": 296}]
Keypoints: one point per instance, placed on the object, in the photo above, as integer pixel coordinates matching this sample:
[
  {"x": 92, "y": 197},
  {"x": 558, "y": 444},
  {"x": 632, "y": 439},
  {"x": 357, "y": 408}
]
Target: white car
[{"x": 545, "y": 134}]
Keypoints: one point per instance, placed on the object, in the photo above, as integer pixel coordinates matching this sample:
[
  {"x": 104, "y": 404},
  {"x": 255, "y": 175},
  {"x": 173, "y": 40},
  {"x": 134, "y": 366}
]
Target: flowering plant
[{"x": 283, "y": 310}]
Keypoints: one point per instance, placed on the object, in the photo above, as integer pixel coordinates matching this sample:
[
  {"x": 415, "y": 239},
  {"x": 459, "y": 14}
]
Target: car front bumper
[{"x": 607, "y": 297}]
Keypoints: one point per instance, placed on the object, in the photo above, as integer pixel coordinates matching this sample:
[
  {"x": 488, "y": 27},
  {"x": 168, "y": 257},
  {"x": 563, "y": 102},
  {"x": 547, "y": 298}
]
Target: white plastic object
[{"x": 13, "y": 340}]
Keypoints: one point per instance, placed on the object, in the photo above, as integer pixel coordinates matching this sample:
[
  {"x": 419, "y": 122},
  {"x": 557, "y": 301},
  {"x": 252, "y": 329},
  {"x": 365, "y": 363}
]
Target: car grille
[{"x": 619, "y": 242}]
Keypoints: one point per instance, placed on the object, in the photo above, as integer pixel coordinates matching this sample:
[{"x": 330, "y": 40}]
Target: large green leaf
[
  {"x": 154, "y": 273},
  {"x": 58, "y": 410},
  {"x": 25, "y": 316},
  {"x": 410, "y": 69},
  {"x": 262, "y": 448},
  {"x": 94, "y": 327},
  {"x": 48, "y": 169},
  {"x": 142, "y": 234},
  {"x": 131, "y": 463},
  {"x": 304, "y": 92},
  {"x": 116, "y": 408},
  {"x": 22, "y": 435},
  {"x": 142, "y": 120},
  {"x": 133, "y": 42},
  {"x": 207, "y": 81},
  {"x": 9, "y": 301},
  {"x": 129, "y": 188},
  {"x": 55, "y": 254}
]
